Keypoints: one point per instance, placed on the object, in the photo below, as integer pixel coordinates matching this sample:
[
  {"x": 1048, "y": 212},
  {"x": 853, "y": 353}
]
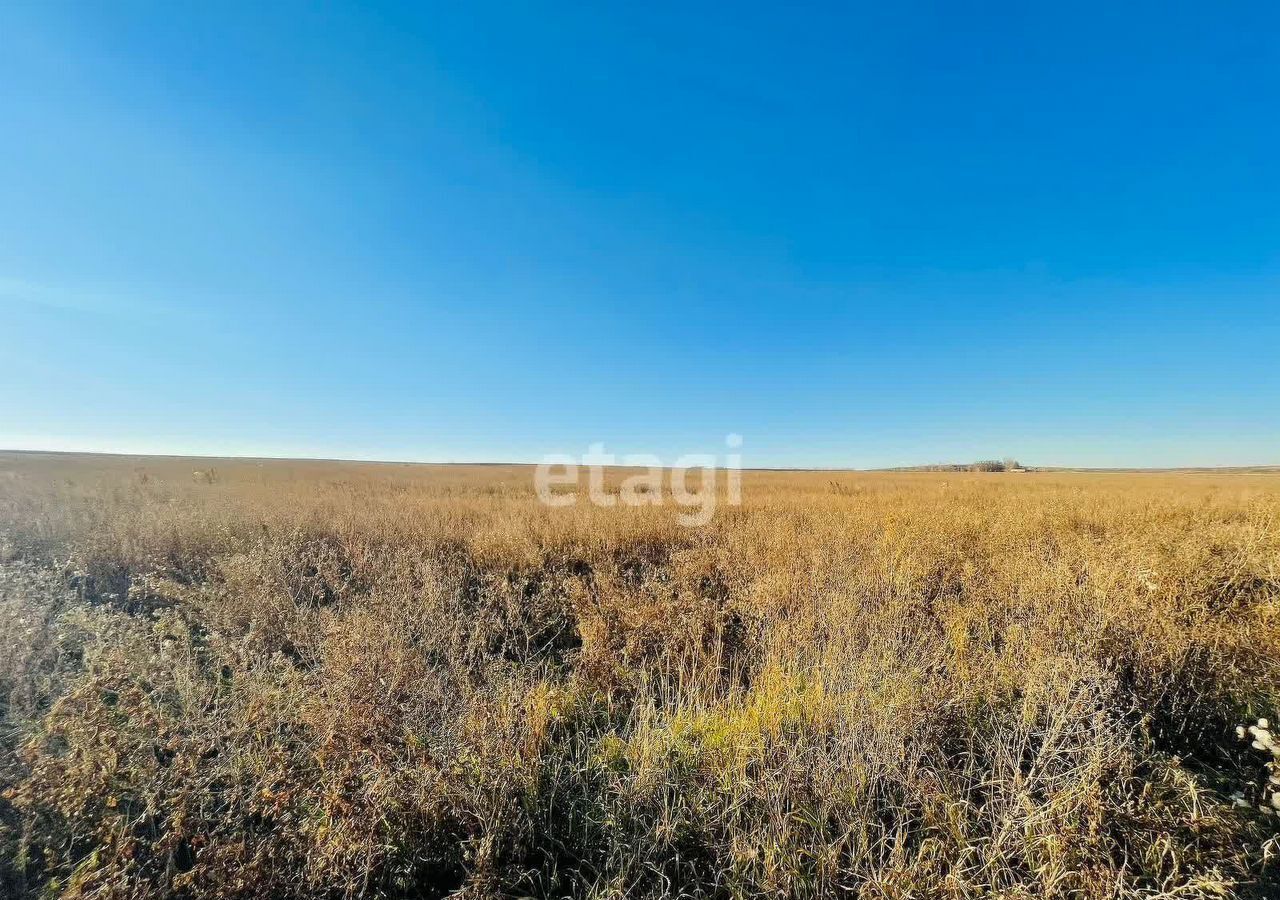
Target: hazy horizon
[{"x": 1047, "y": 466}]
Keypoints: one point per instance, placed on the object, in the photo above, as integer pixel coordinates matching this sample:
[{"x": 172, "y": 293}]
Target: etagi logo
[{"x": 653, "y": 486}]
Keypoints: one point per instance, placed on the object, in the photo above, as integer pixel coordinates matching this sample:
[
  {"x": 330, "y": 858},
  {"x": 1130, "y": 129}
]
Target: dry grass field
[{"x": 233, "y": 679}]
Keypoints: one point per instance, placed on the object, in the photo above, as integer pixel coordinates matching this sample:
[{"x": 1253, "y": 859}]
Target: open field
[{"x": 295, "y": 679}]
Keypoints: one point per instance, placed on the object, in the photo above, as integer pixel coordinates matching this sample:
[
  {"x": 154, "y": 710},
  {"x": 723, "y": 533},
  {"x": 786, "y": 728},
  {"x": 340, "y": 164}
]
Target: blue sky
[{"x": 856, "y": 234}]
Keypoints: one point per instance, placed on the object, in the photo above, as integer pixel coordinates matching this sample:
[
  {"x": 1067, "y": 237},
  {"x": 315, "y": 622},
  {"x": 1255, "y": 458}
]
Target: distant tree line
[
  {"x": 1008, "y": 464},
  {"x": 995, "y": 465}
]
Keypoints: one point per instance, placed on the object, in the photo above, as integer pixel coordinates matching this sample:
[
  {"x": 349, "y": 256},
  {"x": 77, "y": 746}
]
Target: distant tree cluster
[{"x": 1008, "y": 464}]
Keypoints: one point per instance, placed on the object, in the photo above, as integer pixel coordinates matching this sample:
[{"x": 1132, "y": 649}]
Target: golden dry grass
[{"x": 313, "y": 679}]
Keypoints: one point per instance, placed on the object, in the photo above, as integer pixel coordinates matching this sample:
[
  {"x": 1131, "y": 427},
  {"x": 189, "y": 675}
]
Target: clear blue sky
[{"x": 856, "y": 234}]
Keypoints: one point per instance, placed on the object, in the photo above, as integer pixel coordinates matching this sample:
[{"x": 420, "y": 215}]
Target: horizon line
[{"x": 1260, "y": 468}]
